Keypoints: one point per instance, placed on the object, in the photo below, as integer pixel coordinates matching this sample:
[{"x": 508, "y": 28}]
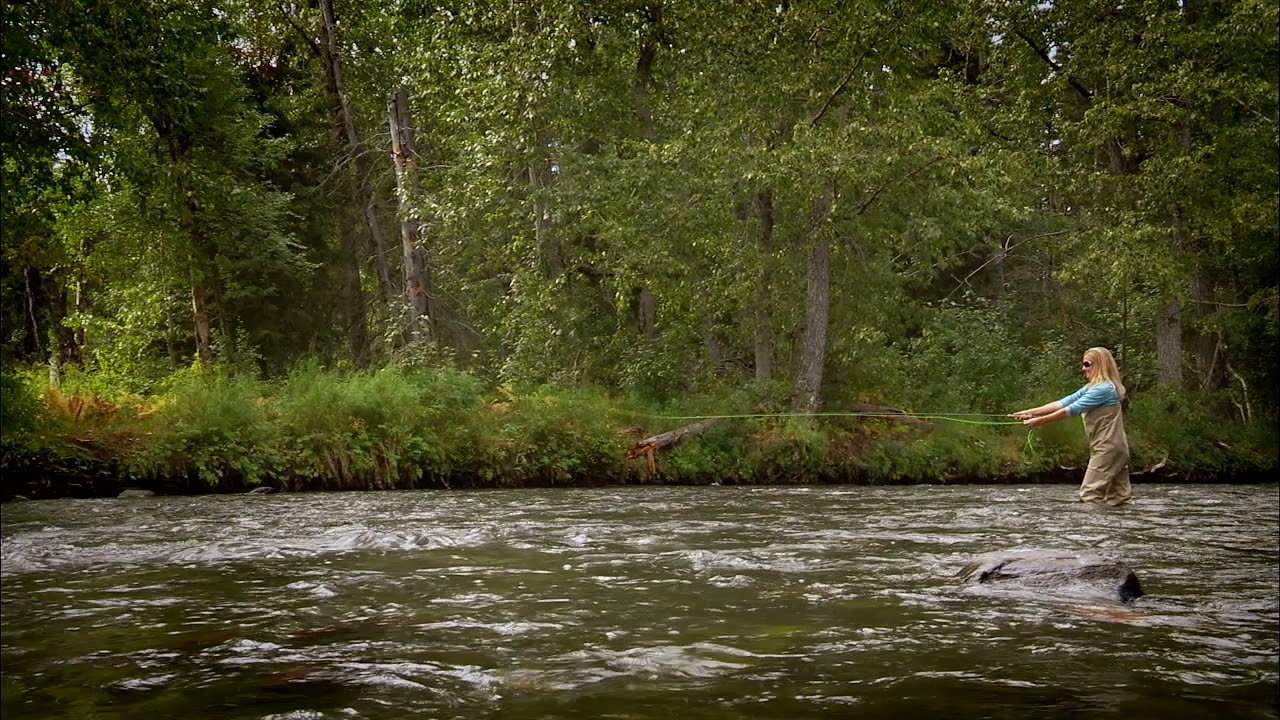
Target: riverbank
[
  {"x": 386, "y": 430},
  {"x": 65, "y": 487},
  {"x": 93, "y": 467}
]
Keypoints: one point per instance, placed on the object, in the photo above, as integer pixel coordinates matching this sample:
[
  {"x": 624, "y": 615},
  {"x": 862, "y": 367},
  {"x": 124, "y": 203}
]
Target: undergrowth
[{"x": 320, "y": 429}]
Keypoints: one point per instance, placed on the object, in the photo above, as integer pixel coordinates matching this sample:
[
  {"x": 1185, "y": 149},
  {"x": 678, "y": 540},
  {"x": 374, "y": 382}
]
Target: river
[{"x": 634, "y": 602}]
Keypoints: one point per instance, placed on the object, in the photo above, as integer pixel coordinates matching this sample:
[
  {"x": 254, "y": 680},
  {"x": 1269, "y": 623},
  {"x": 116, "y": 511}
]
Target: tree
[
  {"x": 1165, "y": 116},
  {"x": 171, "y": 114}
]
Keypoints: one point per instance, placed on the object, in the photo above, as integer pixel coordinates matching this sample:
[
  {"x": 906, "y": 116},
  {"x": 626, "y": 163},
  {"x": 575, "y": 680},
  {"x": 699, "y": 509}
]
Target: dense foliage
[{"x": 759, "y": 206}]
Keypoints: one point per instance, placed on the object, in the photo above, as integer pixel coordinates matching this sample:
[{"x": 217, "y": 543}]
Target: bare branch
[
  {"x": 878, "y": 191},
  {"x": 843, "y": 84},
  {"x": 1004, "y": 252},
  {"x": 1044, "y": 55},
  {"x": 315, "y": 47}
]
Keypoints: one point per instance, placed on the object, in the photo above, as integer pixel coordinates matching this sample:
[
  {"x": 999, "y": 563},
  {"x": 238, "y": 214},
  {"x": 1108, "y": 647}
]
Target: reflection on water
[{"x": 713, "y": 602}]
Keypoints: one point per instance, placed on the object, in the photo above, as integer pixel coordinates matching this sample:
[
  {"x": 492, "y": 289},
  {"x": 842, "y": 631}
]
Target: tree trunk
[
  {"x": 201, "y": 323},
  {"x": 347, "y": 261},
  {"x": 353, "y": 312},
  {"x": 646, "y": 313},
  {"x": 762, "y": 340},
  {"x": 61, "y": 338},
  {"x": 890, "y": 414},
  {"x": 813, "y": 352},
  {"x": 672, "y": 437},
  {"x": 550, "y": 253},
  {"x": 417, "y": 275},
  {"x": 1169, "y": 325},
  {"x": 1169, "y": 344},
  {"x": 55, "y": 367},
  {"x": 650, "y": 445},
  {"x": 31, "y": 338},
  {"x": 203, "y": 265},
  {"x": 78, "y": 307},
  {"x": 1169, "y": 329},
  {"x": 649, "y": 37},
  {"x": 169, "y": 329},
  {"x": 49, "y": 293},
  {"x": 1209, "y": 370},
  {"x": 345, "y": 126},
  {"x": 538, "y": 175},
  {"x": 230, "y": 346},
  {"x": 711, "y": 342}
]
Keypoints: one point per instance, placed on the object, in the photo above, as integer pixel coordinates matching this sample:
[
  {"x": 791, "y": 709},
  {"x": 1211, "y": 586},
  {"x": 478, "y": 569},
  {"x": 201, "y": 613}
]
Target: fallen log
[
  {"x": 890, "y": 413},
  {"x": 649, "y": 445}
]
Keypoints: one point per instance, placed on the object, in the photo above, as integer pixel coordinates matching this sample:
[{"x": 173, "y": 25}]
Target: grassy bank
[{"x": 388, "y": 429}]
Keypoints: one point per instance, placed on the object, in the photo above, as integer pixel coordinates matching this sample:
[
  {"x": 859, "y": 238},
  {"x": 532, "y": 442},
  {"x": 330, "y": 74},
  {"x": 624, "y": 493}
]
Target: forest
[{"x": 353, "y": 244}]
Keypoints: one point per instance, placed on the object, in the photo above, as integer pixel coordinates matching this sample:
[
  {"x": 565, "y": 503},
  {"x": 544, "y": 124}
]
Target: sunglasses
[{"x": 1086, "y": 364}]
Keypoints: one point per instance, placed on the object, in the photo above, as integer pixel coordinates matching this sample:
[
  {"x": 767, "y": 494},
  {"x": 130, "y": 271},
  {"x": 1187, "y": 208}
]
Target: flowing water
[{"x": 647, "y": 602}]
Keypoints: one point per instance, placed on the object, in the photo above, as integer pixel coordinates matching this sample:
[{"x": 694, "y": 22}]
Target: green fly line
[
  {"x": 952, "y": 417},
  {"x": 964, "y": 418}
]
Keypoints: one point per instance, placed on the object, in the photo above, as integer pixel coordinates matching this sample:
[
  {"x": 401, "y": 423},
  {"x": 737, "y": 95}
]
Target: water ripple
[{"x": 634, "y": 602}]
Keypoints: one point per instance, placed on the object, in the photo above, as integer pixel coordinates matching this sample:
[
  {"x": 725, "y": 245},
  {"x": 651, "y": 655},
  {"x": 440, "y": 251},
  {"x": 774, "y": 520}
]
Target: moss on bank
[{"x": 389, "y": 429}]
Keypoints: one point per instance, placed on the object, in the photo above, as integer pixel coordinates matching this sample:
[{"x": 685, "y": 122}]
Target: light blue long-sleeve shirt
[{"x": 1090, "y": 397}]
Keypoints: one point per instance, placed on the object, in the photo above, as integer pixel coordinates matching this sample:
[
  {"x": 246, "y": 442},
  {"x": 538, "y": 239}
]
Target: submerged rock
[
  {"x": 135, "y": 493},
  {"x": 261, "y": 490},
  {"x": 1059, "y": 571}
]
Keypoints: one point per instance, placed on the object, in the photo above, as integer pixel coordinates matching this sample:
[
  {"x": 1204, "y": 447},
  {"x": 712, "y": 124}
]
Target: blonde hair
[{"x": 1104, "y": 369}]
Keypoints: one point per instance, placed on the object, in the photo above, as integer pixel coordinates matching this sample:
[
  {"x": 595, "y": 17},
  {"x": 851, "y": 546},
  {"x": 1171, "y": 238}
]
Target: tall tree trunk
[
  {"x": 169, "y": 330},
  {"x": 537, "y": 175},
  {"x": 31, "y": 337},
  {"x": 813, "y": 352},
  {"x": 711, "y": 342},
  {"x": 646, "y": 313},
  {"x": 1209, "y": 372},
  {"x": 1168, "y": 333},
  {"x": 1169, "y": 327},
  {"x": 762, "y": 337},
  {"x": 649, "y": 36},
  {"x": 345, "y": 125},
  {"x": 201, "y": 323},
  {"x": 78, "y": 306},
  {"x": 230, "y": 344},
  {"x": 550, "y": 252},
  {"x": 353, "y": 310},
  {"x": 61, "y": 338},
  {"x": 1209, "y": 366},
  {"x": 204, "y": 257},
  {"x": 417, "y": 275},
  {"x": 347, "y": 262},
  {"x": 203, "y": 265},
  {"x": 354, "y": 320},
  {"x": 1169, "y": 344}
]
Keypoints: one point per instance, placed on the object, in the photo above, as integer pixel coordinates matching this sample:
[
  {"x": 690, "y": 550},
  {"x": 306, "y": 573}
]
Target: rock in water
[
  {"x": 135, "y": 493},
  {"x": 1056, "y": 570}
]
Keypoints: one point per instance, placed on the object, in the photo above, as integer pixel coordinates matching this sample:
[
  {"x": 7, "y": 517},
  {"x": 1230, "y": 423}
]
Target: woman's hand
[{"x": 1023, "y": 415}]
